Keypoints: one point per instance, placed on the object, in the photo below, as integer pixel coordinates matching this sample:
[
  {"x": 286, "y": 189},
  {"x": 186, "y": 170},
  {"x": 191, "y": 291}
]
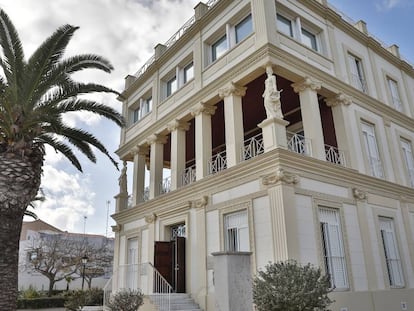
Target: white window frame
[
  {"x": 228, "y": 36},
  {"x": 357, "y": 74},
  {"x": 131, "y": 271},
  {"x": 236, "y": 232},
  {"x": 395, "y": 94},
  {"x": 300, "y": 30},
  {"x": 333, "y": 247},
  {"x": 407, "y": 152},
  {"x": 141, "y": 109},
  {"x": 391, "y": 252},
  {"x": 189, "y": 68},
  {"x": 171, "y": 85},
  {"x": 371, "y": 149}
]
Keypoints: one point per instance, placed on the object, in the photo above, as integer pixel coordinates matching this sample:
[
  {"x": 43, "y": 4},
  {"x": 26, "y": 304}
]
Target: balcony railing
[
  {"x": 165, "y": 185},
  {"x": 217, "y": 163},
  {"x": 298, "y": 143},
  {"x": 377, "y": 169},
  {"x": 252, "y": 147},
  {"x": 411, "y": 177},
  {"x": 145, "y": 194},
  {"x": 189, "y": 175},
  {"x": 334, "y": 155},
  {"x": 144, "y": 277}
]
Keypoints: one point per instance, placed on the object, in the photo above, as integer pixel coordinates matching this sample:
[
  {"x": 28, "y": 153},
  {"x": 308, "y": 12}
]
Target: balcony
[
  {"x": 299, "y": 144},
  {"x": 217, "y": 163},
  {"x": 189, "y": 175},
  {"x": 165, "y": 185},
  {"x": 334, "y": 155}
]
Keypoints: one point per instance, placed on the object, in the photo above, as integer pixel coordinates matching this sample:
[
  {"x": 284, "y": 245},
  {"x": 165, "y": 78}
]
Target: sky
[{"x": 125, "y": 32}]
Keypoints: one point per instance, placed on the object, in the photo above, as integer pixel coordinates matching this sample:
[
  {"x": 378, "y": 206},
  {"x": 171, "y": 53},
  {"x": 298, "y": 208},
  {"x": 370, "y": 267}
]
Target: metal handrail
[
  {"x": 189, "y": 175},
  {"x": 165, "y": 185},
  {"x": 252, "y": 147},
  {"x": 298, "y": 143},
  {"x": 217, "y": 163},
  {"x": 334, "y": 155},
  {"x": 161, "y": 295}
]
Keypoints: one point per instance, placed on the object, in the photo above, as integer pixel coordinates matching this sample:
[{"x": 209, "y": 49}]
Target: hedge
[{"x": 43, "y": 302}]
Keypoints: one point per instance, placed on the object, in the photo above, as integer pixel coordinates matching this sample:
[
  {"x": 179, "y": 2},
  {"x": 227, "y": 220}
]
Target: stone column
[
  {"x": 233, "y": 281},
  {"x": 178, "y": 150},
  {"x": 138, "y": 182},
  {"x": 156, "y": 163},
  {"x": 363, "y": 209},
  {"x": 283, "y": 212},
  {"x": 311, "y": 116},
  {"x": 233, "y": 118},
  {"x": 339, "y": 105},
  {"x": 202, "y": 113}
]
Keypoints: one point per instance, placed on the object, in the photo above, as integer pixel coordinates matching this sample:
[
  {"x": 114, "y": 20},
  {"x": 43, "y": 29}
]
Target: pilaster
[
  {"x": 283, "y": 212},
  {"x": 156, "y": 142},
  {"x": 138, "y": 182},
  {"x": 233, "y": 118},
  {"x": 202, "y": 113},
  {"x": 311, "y": 116},
  {"x": 264, "y": 22},
  {"x": 178, "y": 150},
  {"x": 360, "y": 197}
]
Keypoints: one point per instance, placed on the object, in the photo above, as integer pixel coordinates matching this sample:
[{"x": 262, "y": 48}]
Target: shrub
[
  {"x": 126, "y": 300},
  {"x": 30, "y": 292},
  {"x": 77, "y": 299},
  {"x": 288, "y": 286},
  {"x": 40, "y": 303}
]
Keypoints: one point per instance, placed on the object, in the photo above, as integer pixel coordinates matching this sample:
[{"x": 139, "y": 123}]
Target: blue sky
[
  {"x": 392, "y": 21},
  {"x": 125, "y": 32}
]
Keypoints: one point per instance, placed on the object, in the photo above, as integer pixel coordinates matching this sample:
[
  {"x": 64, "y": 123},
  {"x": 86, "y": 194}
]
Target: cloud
[{"x": 387, "y": 5}]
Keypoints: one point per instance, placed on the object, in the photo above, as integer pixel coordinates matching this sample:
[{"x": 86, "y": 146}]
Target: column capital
[
  {"x": 178, "y": 125},
  {"x": 359, "y": 194},
  {"x": 280, "y": 176},
  {"x": 156, "y": 139},
  {"x": 203, "y": 108},
  {"x": 140, "y": 150},
  {"x": 116, "y": 228},
  {"x": 339, "y": 99},
  {"x": 232, "y": 89},
  {"x": 306, "y": 83}
]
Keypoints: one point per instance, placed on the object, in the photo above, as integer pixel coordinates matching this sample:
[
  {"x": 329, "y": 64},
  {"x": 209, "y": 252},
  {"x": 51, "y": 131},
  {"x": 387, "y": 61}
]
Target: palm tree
[{"x": 34, "y": 95}]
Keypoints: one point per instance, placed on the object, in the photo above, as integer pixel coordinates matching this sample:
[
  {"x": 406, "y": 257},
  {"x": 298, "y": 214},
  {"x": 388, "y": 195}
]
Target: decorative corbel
[
  {"x": 359, "y": 194},
  {"x": 149, "y": 219},
  {"x": 201, "y": 203},
  {"x": 280, "y": 176},
  {"x": 116, "y": 228}
]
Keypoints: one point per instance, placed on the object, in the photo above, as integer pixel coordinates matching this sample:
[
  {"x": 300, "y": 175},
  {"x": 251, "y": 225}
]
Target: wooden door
[
  {"x": 179, "y": 265},
  {"x": 163, "y": 260}
]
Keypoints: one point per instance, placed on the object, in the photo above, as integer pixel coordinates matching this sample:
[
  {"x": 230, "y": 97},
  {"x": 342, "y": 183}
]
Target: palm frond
[
  {"x": 13, "y": 55},
  {"x": 61, "y": 147}
]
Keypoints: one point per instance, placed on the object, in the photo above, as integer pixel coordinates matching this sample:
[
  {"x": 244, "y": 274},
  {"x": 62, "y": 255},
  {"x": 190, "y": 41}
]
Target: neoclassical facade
[{"x": 278, "y": 128}]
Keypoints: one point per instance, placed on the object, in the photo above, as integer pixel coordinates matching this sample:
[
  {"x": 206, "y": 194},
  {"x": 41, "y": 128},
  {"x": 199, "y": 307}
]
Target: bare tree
[
  {"x": 99, "y": 261},
  {"x": 56, "y": 256}
]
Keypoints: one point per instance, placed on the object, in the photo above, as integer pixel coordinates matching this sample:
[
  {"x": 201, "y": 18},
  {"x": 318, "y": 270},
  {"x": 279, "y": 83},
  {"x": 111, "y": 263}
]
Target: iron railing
[
  {"x": 252, "y": 147},
  {"x": 189, "y": 175},
  {"x": 334, "y": 155},
  {"x": 217, "y": 163},
  {"x": 144, "y": 277},
  {"x": 165, "y": 185},
  {"x": 298, "y": 143},
  {"x": 377, "y": 169}
]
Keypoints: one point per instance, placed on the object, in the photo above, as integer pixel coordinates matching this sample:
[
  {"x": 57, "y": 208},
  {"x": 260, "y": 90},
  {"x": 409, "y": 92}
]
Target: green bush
[
  {"x": 288, "y": 286},
  {"x": 77, "y": 299},
  {"x": 30, "y": 292},
  {"x": 40, "y": 303},
  {"x": 126, "y": 300}
]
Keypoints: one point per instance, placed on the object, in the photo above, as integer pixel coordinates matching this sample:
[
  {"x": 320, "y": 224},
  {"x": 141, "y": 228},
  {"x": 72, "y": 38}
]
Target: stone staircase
[{"x": 178, "y": 302}]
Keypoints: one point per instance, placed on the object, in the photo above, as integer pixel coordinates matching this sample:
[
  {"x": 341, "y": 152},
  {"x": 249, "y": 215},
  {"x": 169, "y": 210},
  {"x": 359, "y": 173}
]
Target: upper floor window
[
  {"x": 234, "y": 33},
  {"x": 299, "y": 30},
  {"x": 333, "y": 248},
  {"x": 392, "y": 256},
  {"x": 244, "y": 28},
  {"x": 357, "y": 73},
  {"x": 371, "y": 148},
  {"x": 409, "y": 159},
  {"x": 236, "y": 232},
  {"x": 172, "y": 85},
  {"x": 188, "y": 72},
  {"x": 284, "y": 25},
  {"x": 141, "y": 109},
  {"x": 395, "y": 94}
]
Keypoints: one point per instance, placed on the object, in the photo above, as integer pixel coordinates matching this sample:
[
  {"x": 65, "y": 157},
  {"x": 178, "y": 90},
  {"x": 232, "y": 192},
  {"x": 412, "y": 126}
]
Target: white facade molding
[
  {"x": 280, "y": 176},
  {"x": 203, "y": 108},
  {"x": 306, "y": 83},
  {"x": 156, "y": 139},
  {"x": 359, "y": 194},
  {"x": 178, "y": 125},
  {"x": 149, "y": 219},
  {"x": 232, "y": 89},
  {"x": 201, "y": 203},
  {"x": 140, "y": 150},
  {"x": 339, "y": 99}
]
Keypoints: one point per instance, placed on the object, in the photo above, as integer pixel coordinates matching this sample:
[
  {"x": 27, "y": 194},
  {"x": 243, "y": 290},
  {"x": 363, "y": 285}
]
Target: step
[{"x": 178, "y": 302}]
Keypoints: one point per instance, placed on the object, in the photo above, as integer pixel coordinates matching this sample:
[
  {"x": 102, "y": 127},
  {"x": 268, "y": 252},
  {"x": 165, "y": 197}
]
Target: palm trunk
[{"x": 19, "y": 184}]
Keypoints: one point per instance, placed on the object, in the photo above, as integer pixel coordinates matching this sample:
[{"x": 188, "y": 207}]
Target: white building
[
  {"x": 33, "y": 232},
  {"x": 327, "y": 180}
]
